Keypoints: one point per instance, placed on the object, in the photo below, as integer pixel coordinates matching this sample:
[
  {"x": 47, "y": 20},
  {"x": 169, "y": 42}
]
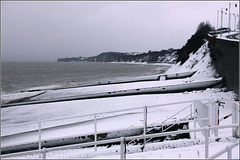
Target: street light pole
[
  {"x": 235, "y": 25},
  {"x": 222, "y": 18},
  {"x": 229, "y": 18},
  {"x": 217, "y": 18},
  {"x": 234, "y": 21},
  {"x": 229, "y": 14}
]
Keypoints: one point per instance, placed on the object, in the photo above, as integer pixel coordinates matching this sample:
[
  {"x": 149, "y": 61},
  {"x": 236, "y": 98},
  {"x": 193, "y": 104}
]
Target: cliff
[{"x": 164, "y": 56}]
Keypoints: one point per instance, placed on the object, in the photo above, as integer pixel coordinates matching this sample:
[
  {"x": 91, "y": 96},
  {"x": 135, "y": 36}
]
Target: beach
[{"x": 62, "y": 119}]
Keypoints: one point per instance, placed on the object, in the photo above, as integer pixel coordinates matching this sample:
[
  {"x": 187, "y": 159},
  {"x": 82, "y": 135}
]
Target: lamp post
[
  {"x": 229, "y": 14},
  {"x": 222, "y": 17},
  {"x": 217, "y": 18},
  {"x": 235, "y": 15}
]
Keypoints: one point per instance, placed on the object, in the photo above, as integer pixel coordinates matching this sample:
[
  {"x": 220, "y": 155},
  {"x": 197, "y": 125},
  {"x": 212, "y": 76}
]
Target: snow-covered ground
[{"x": 19, "y": 116}]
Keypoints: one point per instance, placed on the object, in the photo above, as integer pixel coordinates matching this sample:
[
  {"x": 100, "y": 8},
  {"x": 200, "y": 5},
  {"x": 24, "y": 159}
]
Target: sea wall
[{"x": 225, "y": 58}]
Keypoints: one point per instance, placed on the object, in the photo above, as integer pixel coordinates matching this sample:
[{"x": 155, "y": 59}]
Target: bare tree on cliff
[{"x": 195, "y": 42}]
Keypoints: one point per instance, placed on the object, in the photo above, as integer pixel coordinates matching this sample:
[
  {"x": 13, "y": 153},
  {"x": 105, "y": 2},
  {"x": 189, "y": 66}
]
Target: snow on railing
[
  {"x": 78, "y": 116},
  {"x": 95, "y": 119},
  {"x": 228, "y": 149},
  {"x": 201, "y": 114},
  {"x": 123, "y": 140}
]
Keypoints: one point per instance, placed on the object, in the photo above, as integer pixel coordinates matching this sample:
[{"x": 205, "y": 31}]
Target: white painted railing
[
  {"x": 115, "y": 111},
  {"x": 196, "y": 118},
  {"x": 144, "y": 111},
  {"x": 123, "y": 140},
  {"x": 227, "y": 149},
  {"x": 95, "y": 119}
]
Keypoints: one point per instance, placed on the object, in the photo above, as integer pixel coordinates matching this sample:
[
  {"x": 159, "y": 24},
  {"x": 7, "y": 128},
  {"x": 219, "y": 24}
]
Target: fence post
[
  {"x": 235, "y": 116},
  {"x": 44, "y": 153},
  {"x": 39, "y": 138},
  {"x": 123, "y": 148},
  {"x": 229, "y": 152},
  {"x": 206, "y": 135},
  {"x": 195, "y": 117},
  {"x": 95, "y": 131},
  {"x": 216, "y": 122},
  {"x": 214, "y": 118},
  {"x": 144, "y": 123},
  {"x": 218, "y": 112},
  {"x": 191, "y": 111}
]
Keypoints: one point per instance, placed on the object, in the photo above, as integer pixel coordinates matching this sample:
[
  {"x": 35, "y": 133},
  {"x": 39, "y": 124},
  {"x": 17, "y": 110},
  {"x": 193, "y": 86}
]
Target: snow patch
[
  {"x": 199, "y": 61},
  {"x": 6, "y": 98}
]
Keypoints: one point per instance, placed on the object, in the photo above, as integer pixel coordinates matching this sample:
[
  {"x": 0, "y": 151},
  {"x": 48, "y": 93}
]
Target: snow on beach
[
  {"x": 200, "y": 61},
  {"x": 5, "y": 98}
]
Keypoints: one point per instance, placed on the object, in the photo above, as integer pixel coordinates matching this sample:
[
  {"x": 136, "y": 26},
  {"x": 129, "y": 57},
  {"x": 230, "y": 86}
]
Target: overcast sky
[{"x": 45, "y": 31}]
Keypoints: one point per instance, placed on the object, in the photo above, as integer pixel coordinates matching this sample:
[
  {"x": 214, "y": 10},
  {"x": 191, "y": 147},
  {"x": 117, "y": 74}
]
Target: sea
[{"x": 18, "y": 76}]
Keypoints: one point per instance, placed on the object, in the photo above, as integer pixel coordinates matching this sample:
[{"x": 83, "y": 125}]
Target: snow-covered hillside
[{"x": 199, "y": 61}]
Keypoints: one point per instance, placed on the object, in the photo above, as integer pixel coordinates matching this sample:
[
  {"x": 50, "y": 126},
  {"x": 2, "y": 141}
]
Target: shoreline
[
  {"x": 145, "y": 63},
  {"x": 79, "y": 73}
]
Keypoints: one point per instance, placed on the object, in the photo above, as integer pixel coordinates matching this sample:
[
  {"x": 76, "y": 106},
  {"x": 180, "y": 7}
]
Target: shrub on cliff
[{"x": 195, "y": 42}]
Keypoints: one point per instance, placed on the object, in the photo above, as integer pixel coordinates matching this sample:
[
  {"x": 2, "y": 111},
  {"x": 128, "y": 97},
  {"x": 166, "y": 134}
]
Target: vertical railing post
[
  {"x": 123, "y": 148},
  {"x": 216, "y": 112},
  {"x": 206, "y": 135},
  {"x": 195, "y": 117},
  {"x": 95, "y": 131},
  {"x": 229, "y": 152},
  {"x": 39, "y": 138},
  {"x": 214, "y": 116},
  {"x": 217, "y": 115},
  {"x": 44, "y": 153},
  {"x": 191, "y": 111},
  {"x": 235, "y": 116},
  {"x": 144, "y": 123}
]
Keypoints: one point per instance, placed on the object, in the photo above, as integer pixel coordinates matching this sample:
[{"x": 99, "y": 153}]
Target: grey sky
[{"x": 45, "y": 31}]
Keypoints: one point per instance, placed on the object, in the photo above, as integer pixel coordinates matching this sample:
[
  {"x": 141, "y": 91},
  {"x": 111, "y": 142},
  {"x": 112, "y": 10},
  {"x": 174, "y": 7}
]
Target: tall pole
[
  {"x": 221, "y": 20},
  {"x": 229, "y": 19},
  {"x": 234, "y": 22},
  {"x": 217, "y": 18},
  {"x": 222, "y": 17},
  {"x": 237, "y": 23}
]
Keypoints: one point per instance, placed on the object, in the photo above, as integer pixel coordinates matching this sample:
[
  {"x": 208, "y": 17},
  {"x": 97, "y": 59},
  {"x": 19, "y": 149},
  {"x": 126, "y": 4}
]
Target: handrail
[
  {"x": 77, "y": 135},
  {"x": 78, "y": 116},
  {"x": 95, "y": 119},
  {"x": 228, "y": 148},
  {"x": 116, "y": 113},
  {"x": 177, "y": 122},
  {"x": 206, "y": 129},
  {"x": 176, "y": 113}
]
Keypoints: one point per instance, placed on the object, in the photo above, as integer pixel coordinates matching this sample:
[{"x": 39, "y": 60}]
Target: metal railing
[
  {"x": 123, "y": 110},
  {"x": 227, "y": 149},
  {"x": 95, "y": 119},
  {"x": 95, "y": 115},
  {"x": 123, "y": 140}
]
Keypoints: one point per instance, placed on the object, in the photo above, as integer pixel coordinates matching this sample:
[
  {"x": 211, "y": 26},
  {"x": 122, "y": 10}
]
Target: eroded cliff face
[{"x": 225, "y": 58}]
